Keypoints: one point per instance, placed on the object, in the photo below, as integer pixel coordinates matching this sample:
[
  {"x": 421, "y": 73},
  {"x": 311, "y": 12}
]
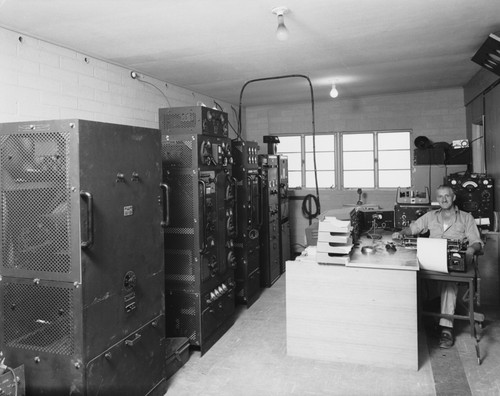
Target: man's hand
[{"x": 471, "y": 252}]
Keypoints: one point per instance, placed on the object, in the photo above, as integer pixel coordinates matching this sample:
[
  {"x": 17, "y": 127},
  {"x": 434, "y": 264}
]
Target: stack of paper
[{"x": 334, "y": 241}]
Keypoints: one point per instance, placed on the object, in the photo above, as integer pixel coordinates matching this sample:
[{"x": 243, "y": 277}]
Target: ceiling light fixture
[
  {"x": 135, "y": 75},
  {"x": 281, "y": 31},
  {"x": 334, "y": 93},
  {"x": 486, "y": 55}
]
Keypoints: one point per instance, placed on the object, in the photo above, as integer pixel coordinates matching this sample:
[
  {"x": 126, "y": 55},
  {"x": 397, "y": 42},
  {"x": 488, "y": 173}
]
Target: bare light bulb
[
  {"x": 334, "y": 93},
  {"x": 281, "y": 31}
]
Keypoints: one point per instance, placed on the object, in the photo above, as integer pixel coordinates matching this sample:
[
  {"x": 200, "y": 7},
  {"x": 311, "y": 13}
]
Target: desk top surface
[{"x": 401, "y": 259}]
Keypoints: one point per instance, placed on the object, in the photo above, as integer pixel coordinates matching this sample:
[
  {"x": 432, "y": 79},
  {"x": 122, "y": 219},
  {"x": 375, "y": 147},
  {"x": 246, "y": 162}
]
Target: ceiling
[{"x": 367, "y": 47}]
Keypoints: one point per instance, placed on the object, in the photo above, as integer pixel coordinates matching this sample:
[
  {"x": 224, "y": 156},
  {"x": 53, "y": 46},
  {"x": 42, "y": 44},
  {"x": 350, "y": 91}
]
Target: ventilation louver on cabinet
[{"x": 488, "y": 55}]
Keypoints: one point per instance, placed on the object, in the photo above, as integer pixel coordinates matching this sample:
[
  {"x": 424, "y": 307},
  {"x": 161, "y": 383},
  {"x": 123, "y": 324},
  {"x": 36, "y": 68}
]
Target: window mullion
[
  {"x": 375, "y": 159},
  {"x": 340, "y": 156},
  {"x": 303, "y": 158}
]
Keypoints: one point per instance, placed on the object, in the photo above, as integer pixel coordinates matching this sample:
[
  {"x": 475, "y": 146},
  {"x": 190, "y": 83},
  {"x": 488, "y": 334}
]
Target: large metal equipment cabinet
[
  {"x": 81, "y": 265},
  {"x": 270, "y": 269},
  {"x": 200, "y": 299},
  {"x": 248, "y": 220}
]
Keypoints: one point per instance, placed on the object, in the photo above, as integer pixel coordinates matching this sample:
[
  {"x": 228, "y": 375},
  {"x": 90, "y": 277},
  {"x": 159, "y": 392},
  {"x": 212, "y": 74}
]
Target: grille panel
[
  {"x": 35, "y": 202},
  {"x": 39, "y": 318},
  {"x": 179, "y": 268},
  {"x": 179, "y": 120},
  {"x": 177, "y": 153},
  {"x": 182, "y": 195}
]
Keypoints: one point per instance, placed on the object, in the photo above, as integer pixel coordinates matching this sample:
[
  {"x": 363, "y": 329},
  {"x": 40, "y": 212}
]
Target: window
[
  {"x": 291, "y": 146},
  {"x": 375, "y": 159},
  {"x": 325, "y": 161}
]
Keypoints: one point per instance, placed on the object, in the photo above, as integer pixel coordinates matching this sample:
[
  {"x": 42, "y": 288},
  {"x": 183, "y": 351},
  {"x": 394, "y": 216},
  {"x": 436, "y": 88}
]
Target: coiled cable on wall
[
  {"x": 307, "y": 209},
  {"x": 307, "y": 200}
]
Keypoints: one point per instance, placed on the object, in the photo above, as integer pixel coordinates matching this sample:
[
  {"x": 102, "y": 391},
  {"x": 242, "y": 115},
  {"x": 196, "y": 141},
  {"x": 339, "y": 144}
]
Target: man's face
[{"x": 445, "y": 197}]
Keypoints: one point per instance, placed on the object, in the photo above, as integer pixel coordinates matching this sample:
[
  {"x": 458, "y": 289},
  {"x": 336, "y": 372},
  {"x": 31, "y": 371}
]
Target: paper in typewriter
[{"x": 432, "y": 254}]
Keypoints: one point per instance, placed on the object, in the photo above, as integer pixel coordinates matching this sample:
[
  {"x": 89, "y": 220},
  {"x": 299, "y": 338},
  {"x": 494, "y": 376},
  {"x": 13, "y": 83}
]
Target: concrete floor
[{"x": 250, "y": 359}]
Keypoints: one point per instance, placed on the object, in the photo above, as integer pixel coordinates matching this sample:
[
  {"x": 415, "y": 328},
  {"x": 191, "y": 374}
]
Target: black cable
[
  {"x": 473, "y": 140},
  {"x": 235, "y": 114},
  {"x": 316, "y": 198},
  {"x": 154, "y": 86},
  {"x": 232, "y": 127},
  {"x": 218, "y": 105},
  {"x": 307, "y": 207},
  {"x": 237, "y": 120}
]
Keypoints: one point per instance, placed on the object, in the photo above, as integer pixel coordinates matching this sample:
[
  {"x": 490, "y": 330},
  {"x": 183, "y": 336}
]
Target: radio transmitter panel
[
  {"x": 196, "y": 120},
  {"x": 199, "y": 239},
  {"x": 474, "y": 194},
  {"x": 249, "y": 220},
  {"x": 405, "y": 214},
  {"x": 411, "y": 196},
  {"x": 376, "y": 219},
  {"x": 270, "y": 231}
]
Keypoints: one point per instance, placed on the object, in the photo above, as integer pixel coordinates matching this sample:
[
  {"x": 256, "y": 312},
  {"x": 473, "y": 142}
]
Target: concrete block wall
[
  {"x": 438, "y": 115},
  {"x": 42, "y": 81}
]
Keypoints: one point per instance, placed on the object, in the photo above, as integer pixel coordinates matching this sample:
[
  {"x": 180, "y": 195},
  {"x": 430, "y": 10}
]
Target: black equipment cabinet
[
  {"x": 248, "y": 221},
  {"x": 284, "y": 212},
  {"x": 81, "y": 265},
  {"x": 199, "y": 237},
  {"x": 270, "y": 267}
]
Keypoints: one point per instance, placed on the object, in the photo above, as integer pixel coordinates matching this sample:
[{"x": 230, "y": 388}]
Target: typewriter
[{"x": 456, "y": 252}]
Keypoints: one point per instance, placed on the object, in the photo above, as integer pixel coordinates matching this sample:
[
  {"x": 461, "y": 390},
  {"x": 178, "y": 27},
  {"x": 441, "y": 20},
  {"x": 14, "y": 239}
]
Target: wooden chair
[{"x": 470, "y": 299}]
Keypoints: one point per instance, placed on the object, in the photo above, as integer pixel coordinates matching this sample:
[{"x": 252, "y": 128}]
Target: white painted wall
[
  {"x": 439, "y": 115},
  {"x": 42, "y": 81}
]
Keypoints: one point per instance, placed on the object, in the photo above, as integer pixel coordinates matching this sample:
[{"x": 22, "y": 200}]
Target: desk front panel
[{"x": 348, "y": 314}]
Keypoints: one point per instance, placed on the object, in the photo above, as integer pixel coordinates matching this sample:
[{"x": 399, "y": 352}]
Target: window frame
[{"x": 339, "y": 156}]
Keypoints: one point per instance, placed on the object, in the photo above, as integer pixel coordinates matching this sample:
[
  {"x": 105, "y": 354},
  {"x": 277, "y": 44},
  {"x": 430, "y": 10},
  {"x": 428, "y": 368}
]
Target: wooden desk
[{"x": 363, "y": 313}]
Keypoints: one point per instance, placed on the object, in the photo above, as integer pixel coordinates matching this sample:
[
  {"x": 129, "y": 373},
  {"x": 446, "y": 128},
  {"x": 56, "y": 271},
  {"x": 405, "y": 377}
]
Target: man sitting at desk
[{"x": 451, "y": 223}]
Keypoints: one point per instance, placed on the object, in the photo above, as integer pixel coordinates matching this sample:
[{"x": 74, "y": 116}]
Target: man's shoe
[{"x": 446, "y": 339}]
